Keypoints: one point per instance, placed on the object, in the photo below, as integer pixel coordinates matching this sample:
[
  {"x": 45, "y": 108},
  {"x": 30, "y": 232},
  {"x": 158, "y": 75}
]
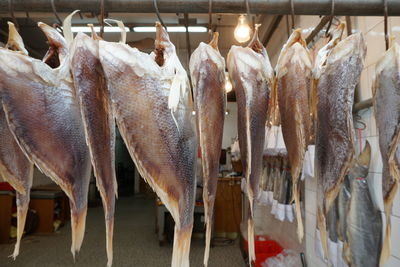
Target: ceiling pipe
[{"x": 276, "y": 7}]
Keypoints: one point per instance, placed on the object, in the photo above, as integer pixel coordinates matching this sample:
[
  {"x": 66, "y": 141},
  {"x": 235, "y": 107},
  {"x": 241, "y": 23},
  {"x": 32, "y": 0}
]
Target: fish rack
[{"x": 277, "y": 7}]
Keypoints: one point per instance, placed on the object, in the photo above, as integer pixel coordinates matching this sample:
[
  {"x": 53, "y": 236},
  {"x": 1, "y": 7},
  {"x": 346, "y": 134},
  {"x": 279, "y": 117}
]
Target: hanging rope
[
  {"x": 292, "y": 12},
  {"x": 101, "y": 18},
  {"x": 385, "y": 13},
  {"x": 331, "y": 19},
  {"x": 158, "y": 14}
]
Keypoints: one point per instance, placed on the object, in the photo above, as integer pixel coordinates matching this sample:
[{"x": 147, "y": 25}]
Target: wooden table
[{"x": 6, "y": 198}]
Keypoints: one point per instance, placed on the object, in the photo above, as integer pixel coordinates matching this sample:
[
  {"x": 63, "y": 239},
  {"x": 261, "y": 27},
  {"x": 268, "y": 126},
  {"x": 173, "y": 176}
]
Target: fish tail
[
  {"x": 322, "y": 229},
  {"x": 22, "y": 210},
  {"x": 208, "y": 240},
  {"x": 250, "y": 237},
  {"x": 78, "y": 222},
  {"x": 300, "y": 227},
  {"x": 180, "y": 253}
]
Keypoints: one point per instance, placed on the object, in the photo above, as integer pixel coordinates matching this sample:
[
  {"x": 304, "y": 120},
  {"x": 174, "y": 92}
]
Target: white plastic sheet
[{"x": 308, "y": 164}]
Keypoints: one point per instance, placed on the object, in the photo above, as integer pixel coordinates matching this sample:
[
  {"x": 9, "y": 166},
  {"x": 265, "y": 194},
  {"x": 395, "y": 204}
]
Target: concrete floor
[{"x": 135, "y": 243}]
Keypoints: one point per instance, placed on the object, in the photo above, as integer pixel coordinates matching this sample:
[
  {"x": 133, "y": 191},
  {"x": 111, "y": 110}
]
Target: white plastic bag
[
  {"x": 308, "y": 163},
  {"x": 280, "y": 212},
  {"x": 289, "y": 213}
]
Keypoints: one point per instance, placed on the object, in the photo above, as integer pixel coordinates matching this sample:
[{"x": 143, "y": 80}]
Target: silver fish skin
[
  {"x": 252, "y": 78},
  {"x": 207, "y": 69},
  {"x": 91, "y": 90},
  {"x": 364, "y": 221},
  {"x": 334, "y": 149},
  {"x": 386, "y": 97},
  {"x": 43, "y": 115},
  {"x": 15, "y": 167},
  {"x": 153, "y": 108}
]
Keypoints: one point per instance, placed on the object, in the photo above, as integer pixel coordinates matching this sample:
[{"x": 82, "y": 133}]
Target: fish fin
[
  {"x": 109, "y": 240},
  {"x": 78, "y": 222},
  {"x": 300, "y": 226},
  {"x": 68, "y": 35},
  {"x": 347, "y": 253},
  {"x": 94, "y": 34},
  {"x": 15, "y": 41},
  {"x": 250, "y": 237},
  {"x": 121, "y": 27},
  {"x": 321, "y": 221},
  {"x": 208, "y": 240},
  {"x": 180, "y": 252},
  {"x": 22, "y": 210}
]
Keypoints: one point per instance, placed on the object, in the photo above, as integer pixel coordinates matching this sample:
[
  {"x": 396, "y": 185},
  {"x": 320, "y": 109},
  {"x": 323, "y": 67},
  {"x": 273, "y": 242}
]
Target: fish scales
[
  {"x": 334, "y": 132},
  {"x": 161, "y": 141},
  {"x": 252, "y": 77},
  {"x": 92, "y": 92},
  {"x": 15, "y": 167},
  {"x": 43, "y": 114},
  {"x": 207, "y": 68},
  {"x": 386, "y": 91},
  {"x": 293, "y": 73}
]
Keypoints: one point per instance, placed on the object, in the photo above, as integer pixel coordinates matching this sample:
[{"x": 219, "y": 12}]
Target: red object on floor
[
  {"x": 265, "y": 248},
  {"x": 4, "y": 186}
]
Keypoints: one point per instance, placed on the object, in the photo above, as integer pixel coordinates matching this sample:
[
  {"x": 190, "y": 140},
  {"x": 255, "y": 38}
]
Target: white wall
[{"x": 230, "y": 125}]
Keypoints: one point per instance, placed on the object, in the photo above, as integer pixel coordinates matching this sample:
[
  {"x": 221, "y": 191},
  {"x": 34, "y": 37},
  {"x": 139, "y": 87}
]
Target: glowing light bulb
[
  {"x": 228, "y": 84},
  {"x": 242, "y": 30}
]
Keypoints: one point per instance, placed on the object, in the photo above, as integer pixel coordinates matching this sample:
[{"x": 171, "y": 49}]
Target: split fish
[
  {"x": 334, "y": 148},
  {"x": 91, "y": 90},
  {"x": 283, "y": 183},
  {"x": 343, "y": 201},
  {"x": 207, "y": 69},
  {"x": 293, "y": 74},
  {"x": 15, "y": 167},
  {"x": 364, "y": 221},
  {"x": 386, "y": 95},
  {"x": 252, "y": 78},
  {"x": 152, "y": 104},
  {"x": 43, "y": 115}
]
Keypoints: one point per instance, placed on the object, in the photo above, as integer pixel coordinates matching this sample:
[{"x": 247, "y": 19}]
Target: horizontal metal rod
[
  {"x": 362, "y": 105},
  {"x": 277, "y": 7}
]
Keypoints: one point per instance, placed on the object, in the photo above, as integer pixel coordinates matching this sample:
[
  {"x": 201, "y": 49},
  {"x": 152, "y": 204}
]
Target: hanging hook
[
  {"x": 53, "y": 7},
  {"x": 210, "y": 17},
  {"x": 385, "y": 13},
  {"x": 292, "y": 12},
  {"x": 332, "y": 16},
  {"x": 158, "y": 14},
  {"x": 11, "y": 10},
  {"x": 101, "y": 18}
]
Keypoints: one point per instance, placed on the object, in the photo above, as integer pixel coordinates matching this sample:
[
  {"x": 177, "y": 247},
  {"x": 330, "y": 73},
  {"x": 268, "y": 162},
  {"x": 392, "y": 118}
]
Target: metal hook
[
  {"x": 101, "y": 18},
  {"x": 292, "y": 12},
  {"x": 385, "y": 13},
  {"x": 358, "y": 119},
  {"x": 158, "y": 14},
  {"x": 332, "y": 16},
  {"x": 53, "y": 7},
  {"x": 11, "y": 9}
]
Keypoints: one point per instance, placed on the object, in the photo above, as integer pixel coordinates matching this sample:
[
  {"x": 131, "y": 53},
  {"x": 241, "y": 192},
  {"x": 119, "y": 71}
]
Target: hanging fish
[
  {"x": 293, "y": 74},
  {"x": 15, "y": 167},
  {"x": 386, "y": 95},
  {"x": 252, "y": 77},
  {"x": 91, "y": 90},
  {"x": 43, "y": 115},
  {"x": 152, "y": 104},
  {"x": 334, "y": 147},
  {"x": 207, "y": 69},
  {"x": 364, "y": 221}
]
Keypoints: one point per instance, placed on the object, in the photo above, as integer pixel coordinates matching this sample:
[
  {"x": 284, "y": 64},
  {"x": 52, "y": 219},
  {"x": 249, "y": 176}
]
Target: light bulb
[
  {"x": 228, "y": 84},
  {"x": 242, "y": 30}
]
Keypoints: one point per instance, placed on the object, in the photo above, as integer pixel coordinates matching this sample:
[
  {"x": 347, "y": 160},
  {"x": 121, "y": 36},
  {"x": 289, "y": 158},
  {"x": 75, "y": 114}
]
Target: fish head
[
  {"x": 58, "y": 49},
  {"x": 214, "y": 41},
  {"x": 163, "y": 46},
  {"x": 15, "y": 41},
  {"x": 255, "y": 43}
]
